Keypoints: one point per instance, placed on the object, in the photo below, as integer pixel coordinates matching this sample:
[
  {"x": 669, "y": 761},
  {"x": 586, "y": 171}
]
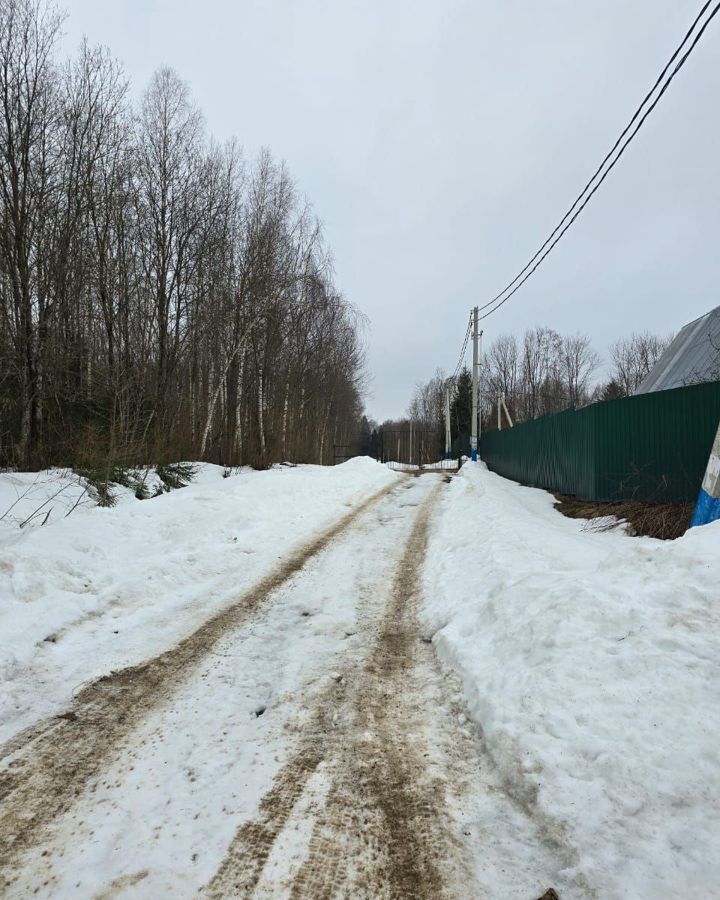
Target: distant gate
[
  {"x": 343, "y": 452},
  {"x": 442, "y": 465},
  {"x": 409, "y": 446}
]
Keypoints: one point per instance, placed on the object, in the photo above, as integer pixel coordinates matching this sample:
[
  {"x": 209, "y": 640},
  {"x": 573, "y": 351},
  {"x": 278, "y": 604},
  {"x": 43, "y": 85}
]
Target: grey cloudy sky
[{"x": 440, "y": 141}]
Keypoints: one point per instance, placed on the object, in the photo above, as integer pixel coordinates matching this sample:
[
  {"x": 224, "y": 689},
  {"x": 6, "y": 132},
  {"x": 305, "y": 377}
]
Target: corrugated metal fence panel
[
  {"x": 649, "y": 447},
  {"x": 655, "y": 446}
]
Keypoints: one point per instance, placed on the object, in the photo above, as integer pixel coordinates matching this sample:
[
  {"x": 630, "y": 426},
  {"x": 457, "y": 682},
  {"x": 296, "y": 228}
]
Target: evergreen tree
[
  {"x": 365, "y": 437},
  {"x": 461, "y": 406},
  {"x": 613, "y": 390},
  {"x": 375, "y": 444}
]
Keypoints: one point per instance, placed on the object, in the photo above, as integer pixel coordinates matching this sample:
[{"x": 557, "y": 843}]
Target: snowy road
[{"x": 304, "y": 743}]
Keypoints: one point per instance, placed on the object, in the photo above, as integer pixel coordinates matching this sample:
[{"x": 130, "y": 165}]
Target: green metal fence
[{"x": 650, "y": 447}]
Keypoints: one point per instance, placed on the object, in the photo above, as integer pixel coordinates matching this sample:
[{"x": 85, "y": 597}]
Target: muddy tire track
[
  {"x": 383, "y": 831},
  {"x": 46, "y": 770},
  {"x": 242, "y": 867}
]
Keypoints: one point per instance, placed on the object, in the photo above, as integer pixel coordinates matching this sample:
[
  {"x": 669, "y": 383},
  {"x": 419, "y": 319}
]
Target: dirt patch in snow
[
  {"x": 46, "y": 767},
  {"x": 665, "y": 521}
]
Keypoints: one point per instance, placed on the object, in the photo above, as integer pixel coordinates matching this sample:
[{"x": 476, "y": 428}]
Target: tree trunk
[
  {"x": 210, "y": 408},
  {"x": 285, "y": 419},
  {"x": 238, "y": 444},
  {"x": 261, "y": 417}
]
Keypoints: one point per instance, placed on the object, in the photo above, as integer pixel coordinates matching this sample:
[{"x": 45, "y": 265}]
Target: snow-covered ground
[
  {"x": 590, "y": 661},
  {"x": 30, "y": 500},
  {"x": 314, "y": 749},
  {"x": 101, "y": 589},
  {"x": 165, "y": 811},
  {"x": 33, "y": 499}
]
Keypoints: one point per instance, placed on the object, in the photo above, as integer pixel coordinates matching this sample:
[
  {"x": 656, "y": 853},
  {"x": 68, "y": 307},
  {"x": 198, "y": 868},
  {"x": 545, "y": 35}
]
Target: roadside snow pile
[
  {"x": 106, "y": 588},
  {"x": 34, "y": 499},
  {"x": 591, "y": 662},
  {"x": 29, "y": 499}
]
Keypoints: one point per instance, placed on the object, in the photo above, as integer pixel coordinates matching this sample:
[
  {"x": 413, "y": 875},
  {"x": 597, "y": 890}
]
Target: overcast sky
[{"x": 440, "y": 141}]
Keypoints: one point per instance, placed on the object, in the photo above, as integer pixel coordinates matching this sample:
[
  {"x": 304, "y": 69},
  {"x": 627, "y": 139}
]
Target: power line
[
  {"x": 623, "y": 142},
  {"x": 461, "y": 358},
  {"x": 599, "y": 169}
]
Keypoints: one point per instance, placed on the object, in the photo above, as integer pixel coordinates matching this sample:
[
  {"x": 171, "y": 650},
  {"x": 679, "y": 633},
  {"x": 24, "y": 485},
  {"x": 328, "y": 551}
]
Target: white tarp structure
[{"x": 692, "y": 357}]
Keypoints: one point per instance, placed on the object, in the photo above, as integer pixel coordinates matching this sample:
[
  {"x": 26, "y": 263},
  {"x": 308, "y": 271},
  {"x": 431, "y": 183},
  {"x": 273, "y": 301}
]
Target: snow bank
[
  {"x": 105, "y": 588},
  {"x": 29, "y": 499},
  {"x": 34, "y": 499},
  {"x": 590, "y": 660}
]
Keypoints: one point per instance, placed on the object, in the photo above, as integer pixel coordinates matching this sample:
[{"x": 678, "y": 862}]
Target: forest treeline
[
  {"x": 160, "y": 299},
  {"x": 544, "y": 372}
]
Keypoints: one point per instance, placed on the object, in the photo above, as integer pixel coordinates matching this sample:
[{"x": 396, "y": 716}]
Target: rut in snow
[
  {"x": 376, "y": 785},
  {"x": 382, "y": 830},
  {"x": 45, "y": 769}
]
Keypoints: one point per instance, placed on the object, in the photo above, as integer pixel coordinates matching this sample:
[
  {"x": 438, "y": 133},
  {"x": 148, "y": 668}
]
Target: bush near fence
[{"x": 651, "y": 447}]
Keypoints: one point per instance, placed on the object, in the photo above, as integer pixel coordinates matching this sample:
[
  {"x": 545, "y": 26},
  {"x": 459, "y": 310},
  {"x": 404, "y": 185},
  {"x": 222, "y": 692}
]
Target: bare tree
[
  {"x": 633, "y": 358},
  {"x": 579, "y": 361},
  {"x": 540, "y": 372},
  {"x": 159, "y": 298},
  {"x": 28, "y": 107}
]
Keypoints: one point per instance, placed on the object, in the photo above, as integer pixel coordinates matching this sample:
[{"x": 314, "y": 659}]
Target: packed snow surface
[
  {"x": 590, "y": 660},
  {"x": 99, "y": 589},
  {"x": 240, "y": 772}
]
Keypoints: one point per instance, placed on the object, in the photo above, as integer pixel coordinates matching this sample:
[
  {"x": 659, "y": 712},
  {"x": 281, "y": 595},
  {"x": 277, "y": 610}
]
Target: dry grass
[{"x": 666, "y": 521}]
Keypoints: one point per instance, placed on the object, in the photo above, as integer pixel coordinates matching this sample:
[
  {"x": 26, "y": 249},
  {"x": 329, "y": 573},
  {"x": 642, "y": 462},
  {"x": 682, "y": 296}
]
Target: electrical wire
[
  {"x": 623, "y": 142},
  {"x": 461, "y": 358},
  {"x": 607, "y": 157}
]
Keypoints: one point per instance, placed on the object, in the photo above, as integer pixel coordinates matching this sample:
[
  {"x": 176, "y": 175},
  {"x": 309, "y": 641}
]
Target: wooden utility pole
[
  {"x": 448, "y": 438},
  {"x": 504, "y": 406},
  {"x": 479, "y": 380}
]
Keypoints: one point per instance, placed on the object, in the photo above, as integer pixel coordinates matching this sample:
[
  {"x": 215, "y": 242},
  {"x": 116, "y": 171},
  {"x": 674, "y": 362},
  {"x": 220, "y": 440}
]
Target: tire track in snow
[
  {"x": 384, "y": 831},
  {"x": 240, "y": 871},
  {"x": 44, "y": 772}
]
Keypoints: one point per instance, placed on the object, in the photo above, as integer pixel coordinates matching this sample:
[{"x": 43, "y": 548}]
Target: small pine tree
[
  {"x": 365, "y": 437},
  {"x": 613, "y": 390},
  {"x": 461, "y": 406}
]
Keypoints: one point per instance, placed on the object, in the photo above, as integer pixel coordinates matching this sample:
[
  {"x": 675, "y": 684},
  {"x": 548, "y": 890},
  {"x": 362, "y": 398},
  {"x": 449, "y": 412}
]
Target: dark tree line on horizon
[
  {"x": 160, "y": 299},
  {"x": 542, "y": 373}
]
